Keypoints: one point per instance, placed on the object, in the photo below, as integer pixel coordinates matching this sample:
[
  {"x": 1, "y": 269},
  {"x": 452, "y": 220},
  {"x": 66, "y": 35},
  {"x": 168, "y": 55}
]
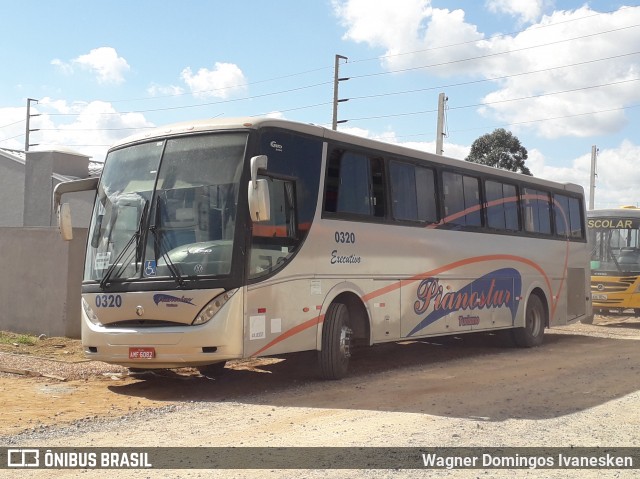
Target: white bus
[{"x": 227, "y": 239}]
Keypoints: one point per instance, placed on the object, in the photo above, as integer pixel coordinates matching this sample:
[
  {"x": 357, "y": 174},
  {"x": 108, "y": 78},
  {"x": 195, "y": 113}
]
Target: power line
[
  {"x": 552, "y": 118},
  {"x": 14, "y": 123},
  {"x": 498, "y": 35},
  {"x": 539, "y": 120},
  {"x": 11, "y": 138},
  {"x": 498, "y": 101},
  {"x": 484, "y": 80},
  {"x": 572, "y": 90},
  {"x": 199, "y": 105},
  {"x": 489, "y": 55}
]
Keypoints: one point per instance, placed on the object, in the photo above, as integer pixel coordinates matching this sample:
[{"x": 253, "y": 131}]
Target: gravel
[
  {"x": 35, "y": 366},
  {"x": 560, "y": 395}
]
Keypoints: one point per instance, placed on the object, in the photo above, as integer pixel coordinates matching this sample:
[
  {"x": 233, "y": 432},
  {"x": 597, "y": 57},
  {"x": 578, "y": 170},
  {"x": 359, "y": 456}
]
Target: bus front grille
[
  {"x": 609, "y": 302},
  {"x": 143, "y": 323},
  {"x": 619, "y": 286}
]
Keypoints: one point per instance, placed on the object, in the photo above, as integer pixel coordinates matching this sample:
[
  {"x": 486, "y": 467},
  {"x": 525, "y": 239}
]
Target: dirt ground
[{"x": 50, "y": 383}]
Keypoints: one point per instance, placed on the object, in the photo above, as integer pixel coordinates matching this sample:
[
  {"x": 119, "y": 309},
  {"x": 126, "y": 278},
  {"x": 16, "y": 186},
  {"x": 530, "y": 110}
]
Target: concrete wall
[
  {"x": 41, "y": 281},
  {"x": 41, "y": 274},
  {"x": 38, "y": 189},
  {"x": 11, "y": 193},
  {"x": 26, "y": 189}
]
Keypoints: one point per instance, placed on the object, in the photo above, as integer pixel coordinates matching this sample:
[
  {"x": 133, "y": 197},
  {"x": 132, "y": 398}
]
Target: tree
[{"x": 500, "y": 149}]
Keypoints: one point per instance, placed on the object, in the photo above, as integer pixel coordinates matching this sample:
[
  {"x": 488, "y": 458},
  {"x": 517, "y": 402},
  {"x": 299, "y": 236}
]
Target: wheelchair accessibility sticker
[{"x": 150, "y": 267}]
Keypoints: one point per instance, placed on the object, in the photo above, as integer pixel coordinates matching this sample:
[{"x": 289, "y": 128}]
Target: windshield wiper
[
  {"x": 121, "y": 257},
  {"x": 159, "y": 242}
]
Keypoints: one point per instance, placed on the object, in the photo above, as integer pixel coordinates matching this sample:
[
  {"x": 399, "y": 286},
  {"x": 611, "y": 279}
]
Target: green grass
[{"x": 11, "y": 338}]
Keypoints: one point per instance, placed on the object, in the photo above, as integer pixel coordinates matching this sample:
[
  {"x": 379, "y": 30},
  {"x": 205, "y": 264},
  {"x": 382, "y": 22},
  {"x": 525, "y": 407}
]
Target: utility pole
[
  {"x": 336, "y": 80},
  {"x": 592, "y": 182},
  {"x": 29, "y": 130},
  {"x": 442, "y": 99}
]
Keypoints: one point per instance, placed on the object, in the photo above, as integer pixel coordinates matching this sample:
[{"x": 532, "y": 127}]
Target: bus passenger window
[
  {"x": 502, "y": 206},
  {"x": 412, "y": 192},
  {"x": 354, "y": 184},
  {"x": 568, "y": 216},
  {"x": 537, "y": 211},
  {"x": 461, "y": 199}
]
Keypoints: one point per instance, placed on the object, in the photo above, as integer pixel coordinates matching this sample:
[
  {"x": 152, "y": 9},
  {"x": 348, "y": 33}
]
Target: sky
[{"x": 562, "y": 76}]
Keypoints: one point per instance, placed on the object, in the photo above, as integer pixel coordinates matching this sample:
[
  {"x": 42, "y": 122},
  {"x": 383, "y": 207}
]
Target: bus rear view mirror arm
[
  {"x": 63, "y": 211},
  {"x": 257, "y": 163}
]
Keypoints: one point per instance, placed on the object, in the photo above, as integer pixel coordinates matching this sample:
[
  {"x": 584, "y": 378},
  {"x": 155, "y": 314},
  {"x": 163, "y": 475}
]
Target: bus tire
[
  {"x": 334, "y": 356},
  {"x": 212, "y": 370},
  {"x": 532, "y": 333}
]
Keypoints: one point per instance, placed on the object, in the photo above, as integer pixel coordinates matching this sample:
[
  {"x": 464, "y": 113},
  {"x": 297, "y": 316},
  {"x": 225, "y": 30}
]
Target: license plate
[
  {"x": 142, "y": 353},
  {"x": 599, "y": 297}
]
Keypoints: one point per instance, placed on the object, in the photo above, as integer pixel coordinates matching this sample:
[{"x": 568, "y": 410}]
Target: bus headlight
[
  {"x": 90, "y": 314},
  {"x": 212, "y": 307}
]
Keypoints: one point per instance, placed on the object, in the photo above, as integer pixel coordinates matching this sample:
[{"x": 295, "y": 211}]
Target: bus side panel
[
  {"x": 281, "y": 317},
  {"x": 579, "y": 297},
  {"x": 572, "y": 303},
  {"x": 384, "y": 311},
  {"x": 442, "y": 305}
]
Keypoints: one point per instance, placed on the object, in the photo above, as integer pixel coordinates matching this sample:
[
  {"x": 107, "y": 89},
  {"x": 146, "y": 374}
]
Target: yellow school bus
[{"x": 614, "y": 235}]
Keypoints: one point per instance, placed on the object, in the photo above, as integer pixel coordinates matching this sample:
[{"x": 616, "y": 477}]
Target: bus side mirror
[
  {"x": 62, "y": 210},
  {"x": 259, "y": 201},
  {"x": 258, "y": 191},
  {"x": 64, "y": 222}
]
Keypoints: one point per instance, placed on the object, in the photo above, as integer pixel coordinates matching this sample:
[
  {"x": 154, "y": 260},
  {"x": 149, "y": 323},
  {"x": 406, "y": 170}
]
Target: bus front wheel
[
  {"x": 334, "y": 356},
  {"x": 533, "y": 331}
]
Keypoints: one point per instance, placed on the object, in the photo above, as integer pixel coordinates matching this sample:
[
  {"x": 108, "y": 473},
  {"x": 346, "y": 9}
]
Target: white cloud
[
  {"x": 617, "y": 174},
  {"x": 276, "y": 115},
  {"x": 104, "y": 62},
  {"x": 90, "y": 129},
  {"x": 63, "y": 67},
  {"x": 562, "y": 70},
  {"x": 160, "y": 90},
  {"x": 410, "y": 31},
  {"x": 459, "y": 152},
  {"x": 525, "y": 10},
  {"x": 574, "y": 94},
  {"x": 223, "y": 81},
  {"x": 13, "y": 126}
]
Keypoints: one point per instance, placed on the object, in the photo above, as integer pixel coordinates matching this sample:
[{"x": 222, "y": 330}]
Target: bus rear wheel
[
  {"x": 334, "y": 356},
  {"x": 532, "y": 333}
]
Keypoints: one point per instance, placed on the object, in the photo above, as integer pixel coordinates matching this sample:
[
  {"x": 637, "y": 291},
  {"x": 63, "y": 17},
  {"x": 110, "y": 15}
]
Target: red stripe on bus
[
  {"x": 292, "y": 332},
  {"x": 457, "y": 264}
]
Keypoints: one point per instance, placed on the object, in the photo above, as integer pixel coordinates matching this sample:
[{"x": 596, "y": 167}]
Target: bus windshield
[
  {"x": 615, "y": 245},
  {"x": 167, "y": 209}
]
